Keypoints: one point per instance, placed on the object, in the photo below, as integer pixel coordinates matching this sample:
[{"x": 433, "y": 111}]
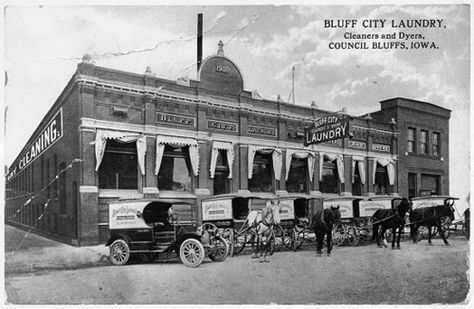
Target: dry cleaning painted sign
[
  {"x": 47, "y": 137},
  {"x": 327, "y": 129}
]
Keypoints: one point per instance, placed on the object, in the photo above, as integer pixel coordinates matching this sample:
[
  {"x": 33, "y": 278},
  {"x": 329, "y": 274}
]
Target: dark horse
[
  {"x": 429, "y": 217},
  {"x": 323, "y": 221},
  {"x": 390, "y": 219}
]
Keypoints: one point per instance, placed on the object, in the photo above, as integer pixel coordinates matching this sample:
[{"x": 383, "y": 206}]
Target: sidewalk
[{"x": 37, "y": 253}]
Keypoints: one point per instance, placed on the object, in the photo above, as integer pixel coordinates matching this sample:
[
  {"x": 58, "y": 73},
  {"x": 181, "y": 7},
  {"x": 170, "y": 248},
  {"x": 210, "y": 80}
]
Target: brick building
[
  {"x": 114, "y": 134},
  {"x": 423, "y": 149}
]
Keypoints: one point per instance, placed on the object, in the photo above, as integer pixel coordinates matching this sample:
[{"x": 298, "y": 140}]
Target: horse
[
  {"x": 261, "y": 224},
  {"x": 429, "y": 217},
  {"x": 390, "y": 219},
  {"x": 322, "y": 224}
]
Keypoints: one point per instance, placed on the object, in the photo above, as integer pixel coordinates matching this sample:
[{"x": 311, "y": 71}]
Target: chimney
[{"x": 199, "y": 41}]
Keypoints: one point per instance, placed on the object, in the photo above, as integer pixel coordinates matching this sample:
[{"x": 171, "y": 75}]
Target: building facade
[
  {"x": 112, "y": 135},
  {"x": 423, "y": 152}
]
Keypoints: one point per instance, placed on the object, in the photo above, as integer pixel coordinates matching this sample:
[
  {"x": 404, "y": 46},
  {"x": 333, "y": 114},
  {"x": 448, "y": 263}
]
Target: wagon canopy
[
  {"x": 429, "y": 201},
  {"x": 131, "y": 214},
  {"x": 346, "y": 205},
  {"x": 233, "y": 206}
]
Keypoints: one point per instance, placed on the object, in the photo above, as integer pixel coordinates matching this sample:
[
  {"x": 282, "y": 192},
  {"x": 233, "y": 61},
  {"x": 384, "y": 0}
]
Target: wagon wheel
[
  {"x": 465, "y": 229},
  {"x": 300, "y": 236},
  {"x": 422, "y": 233},
  {"x": 338, "y": 236},
  {"x": 219, "y": 249},
  {"x": 388, "y": 235},
  {"x": 211, "y": 228},
  {"x": 280, "y": 238},
  {"x": 353, "y": 236},
  {"x": 191, "y": 252},
  {"x": 239, "y": 242},
  {"x": 119, "y": 252},
  {"x": 445, "y": 223}
]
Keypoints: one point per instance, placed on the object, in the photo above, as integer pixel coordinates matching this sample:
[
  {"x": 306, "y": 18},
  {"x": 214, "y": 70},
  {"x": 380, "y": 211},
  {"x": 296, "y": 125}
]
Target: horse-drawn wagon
[
  {"x": 294, "y": 213},
  {"x": 161, "y": 227},
  {"x": 228, "y": 213},
  {"x": 367, "y": 210},
  {"x": 432, "y": 211},
  {"x": 349, "y": 229}
]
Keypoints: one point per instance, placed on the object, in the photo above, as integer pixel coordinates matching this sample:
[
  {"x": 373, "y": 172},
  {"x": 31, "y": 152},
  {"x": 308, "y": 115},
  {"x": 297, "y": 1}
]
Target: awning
[
  {"x": 361, "y": 165},
  {"x": 101, "y": 137},
  {"x": 276, "y": 159},
  {"x": 390, "y": 164},
  {"x": 331, "y": 157},
  {"x": 290, "y": 153},
  {"x": 229, "y": 148},
  {"x": 174, "y": 141}
]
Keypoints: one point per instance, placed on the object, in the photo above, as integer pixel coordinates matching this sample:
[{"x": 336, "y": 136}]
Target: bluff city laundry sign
[{"x": 327, "y": 129}]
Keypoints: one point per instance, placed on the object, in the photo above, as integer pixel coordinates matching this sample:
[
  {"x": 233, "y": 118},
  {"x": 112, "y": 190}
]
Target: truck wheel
[
  {"x": 191, "y": 252},
  {"x": 119, "y": 252}
]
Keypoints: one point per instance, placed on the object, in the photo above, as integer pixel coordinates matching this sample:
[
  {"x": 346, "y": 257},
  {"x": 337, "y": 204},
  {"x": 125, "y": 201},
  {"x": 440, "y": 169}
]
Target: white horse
[{"x": 261, "y": 223}]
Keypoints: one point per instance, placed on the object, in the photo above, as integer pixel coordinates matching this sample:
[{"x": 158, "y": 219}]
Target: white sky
[{"x": 44, "y": 44}]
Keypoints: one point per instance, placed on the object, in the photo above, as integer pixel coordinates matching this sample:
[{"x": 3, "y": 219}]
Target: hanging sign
[{"x": 327, "y": 129}]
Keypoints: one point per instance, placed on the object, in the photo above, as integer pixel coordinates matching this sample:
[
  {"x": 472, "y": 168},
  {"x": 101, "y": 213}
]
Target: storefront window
[
  {"x": 329, "y": 179},
  {"x": 261, "y": 180},
  {"x": 357, "y": 184},
  {"x": 221, "y": 182},
  {"x": 118, "y": 169},
  {"x": 411, "y": 185},
  {"x": 430, "y": 183},
  {"x": 381, "y": 180},
  {"x": 298, "y": 175},
  {"x": 175, "y": 170}
]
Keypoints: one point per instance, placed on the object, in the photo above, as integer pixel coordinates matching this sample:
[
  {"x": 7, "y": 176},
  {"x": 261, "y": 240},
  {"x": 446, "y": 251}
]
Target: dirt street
[{"x": 417, "y": 274}]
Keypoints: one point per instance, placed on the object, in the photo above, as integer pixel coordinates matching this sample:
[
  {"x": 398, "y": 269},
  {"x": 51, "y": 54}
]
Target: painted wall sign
[
  {"x": 262, "y": 131},
  {"x": 327, "y": 129},
  {"x": 222, "y": 125},
  {"x": 357, "y": 145},
  {"x": 175, "y": 119},
  {"x": 46, "y": 138},
  {"x": 381, "y": 147}
]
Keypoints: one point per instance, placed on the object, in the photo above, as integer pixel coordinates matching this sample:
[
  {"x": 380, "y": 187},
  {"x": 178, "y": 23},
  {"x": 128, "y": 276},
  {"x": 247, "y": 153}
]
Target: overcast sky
[{"x": 44, "y": 44}]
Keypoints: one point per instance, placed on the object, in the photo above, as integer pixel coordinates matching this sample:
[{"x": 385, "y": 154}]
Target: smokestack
[{"x": 199, "y": 41}]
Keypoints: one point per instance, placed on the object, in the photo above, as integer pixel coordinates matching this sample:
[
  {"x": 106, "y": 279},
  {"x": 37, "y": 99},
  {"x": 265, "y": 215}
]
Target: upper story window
[
  {"x": 424, "y": 142},
  {"x": 436, "y": 144},
  {"x": 411, "y": 140}
]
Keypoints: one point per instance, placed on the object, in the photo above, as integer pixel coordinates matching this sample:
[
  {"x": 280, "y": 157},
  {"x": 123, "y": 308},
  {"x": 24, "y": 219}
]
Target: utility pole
[{"x": 293, "y": 91}]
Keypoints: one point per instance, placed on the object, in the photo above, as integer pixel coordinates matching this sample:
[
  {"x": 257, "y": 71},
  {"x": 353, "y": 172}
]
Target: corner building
[{"x": 124, "y": 135}]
